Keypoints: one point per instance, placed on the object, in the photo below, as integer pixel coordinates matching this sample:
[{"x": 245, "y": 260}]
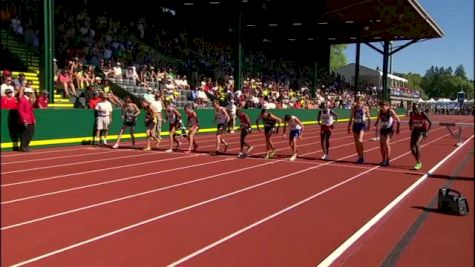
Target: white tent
[
  {"x": 370, "y": 76},
  {"x": 420, "y": 100},
  {"x": 431, "y": 101}
]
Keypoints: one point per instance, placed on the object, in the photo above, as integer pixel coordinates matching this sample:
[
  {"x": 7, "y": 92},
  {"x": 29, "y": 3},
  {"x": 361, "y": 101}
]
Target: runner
[
  {"x": 418, "y": 125},
  {"x": 173, "y": 118},
  {"x": 222, "y": 118},
  {"x": 360, "y": 120},
  {"x": 326, "y": 118},
  {"x": 245, "y": 130},
  {"x": 296, "y": 131},
  {"x": 269, "y": 120},
  {"x": 130, "y": 112},
  {"x": 387, "y": 116},
  {"x": 151, "y": 120},
  {"x": 192, "y": 125}
]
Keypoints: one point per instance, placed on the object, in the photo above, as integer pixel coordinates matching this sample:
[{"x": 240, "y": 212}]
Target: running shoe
[
  {"x": 169, "y": 150},
  {"x": 249, "y": 149},
  {"x": 240, "y": 155},
  {"x": 384, "y": 163},
  {"x": 418, "y": 166},
  {"x": 294, "y": 156},
  {"x": 360, "y": 161},
  {"x": 267, "y": 156},
  {"x": 272, "y": 153},
  {"x": 325, "y": 157},
  {"x": 147, "y": 149},
  {"x": 115, "y": 146}
]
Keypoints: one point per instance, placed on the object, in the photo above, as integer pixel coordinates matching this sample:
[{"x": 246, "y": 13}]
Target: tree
[
  {"x": 460, "y": 72},
  {"x": 413, "y": 80},
  {"x": 440, "y": 82},
  {"x": 337, "y": 56}
]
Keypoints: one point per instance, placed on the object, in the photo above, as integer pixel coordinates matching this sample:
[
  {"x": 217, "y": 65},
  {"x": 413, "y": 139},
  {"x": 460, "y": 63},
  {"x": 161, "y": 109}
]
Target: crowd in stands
[
  {"x": 94, "y": 47},
  {"x": 13, "y": 88}
]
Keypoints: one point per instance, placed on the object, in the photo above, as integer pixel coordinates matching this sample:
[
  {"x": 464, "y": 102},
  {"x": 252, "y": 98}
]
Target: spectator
[
  {"x": 20, "y": 81},
  {"x": 8, "y": 101},
  {"x": 7, "y": 85},
  {"x": 42, "y": 101},
  {"x": 104, "y": 118},
  {"x": 27, "y": 120}
]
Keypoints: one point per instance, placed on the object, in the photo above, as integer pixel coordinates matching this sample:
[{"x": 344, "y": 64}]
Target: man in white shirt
[
  {"x": 157, "y": 103},
  {"x": 7, "y": 85},
  {"x": 118, "y": 71},
  {"x": 104, "y": 118},
  {"x": 231, "y": 109}
]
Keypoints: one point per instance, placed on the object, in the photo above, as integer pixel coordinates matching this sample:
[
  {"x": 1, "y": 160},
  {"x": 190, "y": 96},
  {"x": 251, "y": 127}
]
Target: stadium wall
[{"x": 59, "y": 127}]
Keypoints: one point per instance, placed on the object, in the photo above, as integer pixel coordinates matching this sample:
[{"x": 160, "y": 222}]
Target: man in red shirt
[
  {"x": 42, "y": 101},
  {"x": 93, "y": 101},
  {"x": 27, "y": 120},
  {"x": 8, "y": 101}
]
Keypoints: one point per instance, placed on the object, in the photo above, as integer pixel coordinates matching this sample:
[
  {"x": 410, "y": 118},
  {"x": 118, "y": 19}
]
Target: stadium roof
[{"x": 336, "y": 21}]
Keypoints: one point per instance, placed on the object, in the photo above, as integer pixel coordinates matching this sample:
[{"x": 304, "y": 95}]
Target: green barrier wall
[{"x": 75, "y": 126}]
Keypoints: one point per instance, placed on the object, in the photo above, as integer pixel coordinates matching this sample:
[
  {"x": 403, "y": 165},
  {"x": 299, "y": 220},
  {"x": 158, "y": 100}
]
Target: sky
[{"x": 455, "y": 18}]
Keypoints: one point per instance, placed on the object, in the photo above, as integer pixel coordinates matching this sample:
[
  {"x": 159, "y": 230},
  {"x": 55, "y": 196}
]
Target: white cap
[{"x": 29, "y": 90}]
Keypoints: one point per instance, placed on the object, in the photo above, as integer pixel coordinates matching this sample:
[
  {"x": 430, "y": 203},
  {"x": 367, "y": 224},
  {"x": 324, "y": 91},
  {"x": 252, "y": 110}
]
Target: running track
[{"x": 85, "y": 206}]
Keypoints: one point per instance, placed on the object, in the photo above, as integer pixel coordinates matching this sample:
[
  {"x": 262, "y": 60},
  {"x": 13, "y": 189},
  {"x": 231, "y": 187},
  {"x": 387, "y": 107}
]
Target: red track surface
[{"x": 98, "y": 207}]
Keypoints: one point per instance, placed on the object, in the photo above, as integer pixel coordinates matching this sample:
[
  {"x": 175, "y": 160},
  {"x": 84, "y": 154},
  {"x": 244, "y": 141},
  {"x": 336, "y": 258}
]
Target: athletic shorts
[
  {"x": 295, "y": 133},
  {"x": 386, "y": 131},
  {"x": 269, "y": 130},
  {"x": 175, "y": 125},
  {"x": 220, "y": 128},
  {"x": 416, "y": 133},
  {"x": 359, "y": 127},
  {"x": 246, "y": 130},
  {"x": 150, "y": 125},
  {"x": 103, "y": 123},
  {"x": 326, "y": 128}
]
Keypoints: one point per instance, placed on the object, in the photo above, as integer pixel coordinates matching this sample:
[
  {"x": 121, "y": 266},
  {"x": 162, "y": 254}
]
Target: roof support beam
[
  {"x": 375, "y": 48},
  {"x": 403, "y": 46}
]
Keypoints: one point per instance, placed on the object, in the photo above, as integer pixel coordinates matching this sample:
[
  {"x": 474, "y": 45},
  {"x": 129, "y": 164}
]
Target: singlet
[
  {"x": 220, "y": 117},
  {"x": 268, "y": 122},
  {"x": 418, "y": 121},
  {"x": 193, "y": 119},
  {"x": 326, "y": 117},
  {"x": 129, "y": 114},
  {"x": 360, "y": 115},
  {"x": 293, "y": 123},
  {"x": 386, "y": 120},
  {"x": 171, "y": 116},
  {"x": 244, "y": 120}
]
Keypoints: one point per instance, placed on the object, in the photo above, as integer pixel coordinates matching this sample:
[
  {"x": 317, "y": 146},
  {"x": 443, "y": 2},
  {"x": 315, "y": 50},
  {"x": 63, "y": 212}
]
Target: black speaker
[{"x": 452, "y": 202}]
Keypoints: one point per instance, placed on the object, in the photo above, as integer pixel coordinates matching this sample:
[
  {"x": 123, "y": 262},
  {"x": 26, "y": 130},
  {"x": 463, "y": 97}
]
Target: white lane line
[
  {"x": 157, "y": 218},
  {"x": 151, "y": 191},
  {"x": 108, "y": 182},
  {"x": 97, "y": 170},
  {"x": 62, "y": 157},
  {"x": 84, "y": 162},
  {"x": 41, "y": 152},
  {"x": 136, "y": 195},
  {"x": 135, "y": 164},
  {"x": 365, "y": 228},
  {"x": 97, "y": 160},
  {"x": 280, "y": 212},
  {"x": 178, "y": 211}
]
